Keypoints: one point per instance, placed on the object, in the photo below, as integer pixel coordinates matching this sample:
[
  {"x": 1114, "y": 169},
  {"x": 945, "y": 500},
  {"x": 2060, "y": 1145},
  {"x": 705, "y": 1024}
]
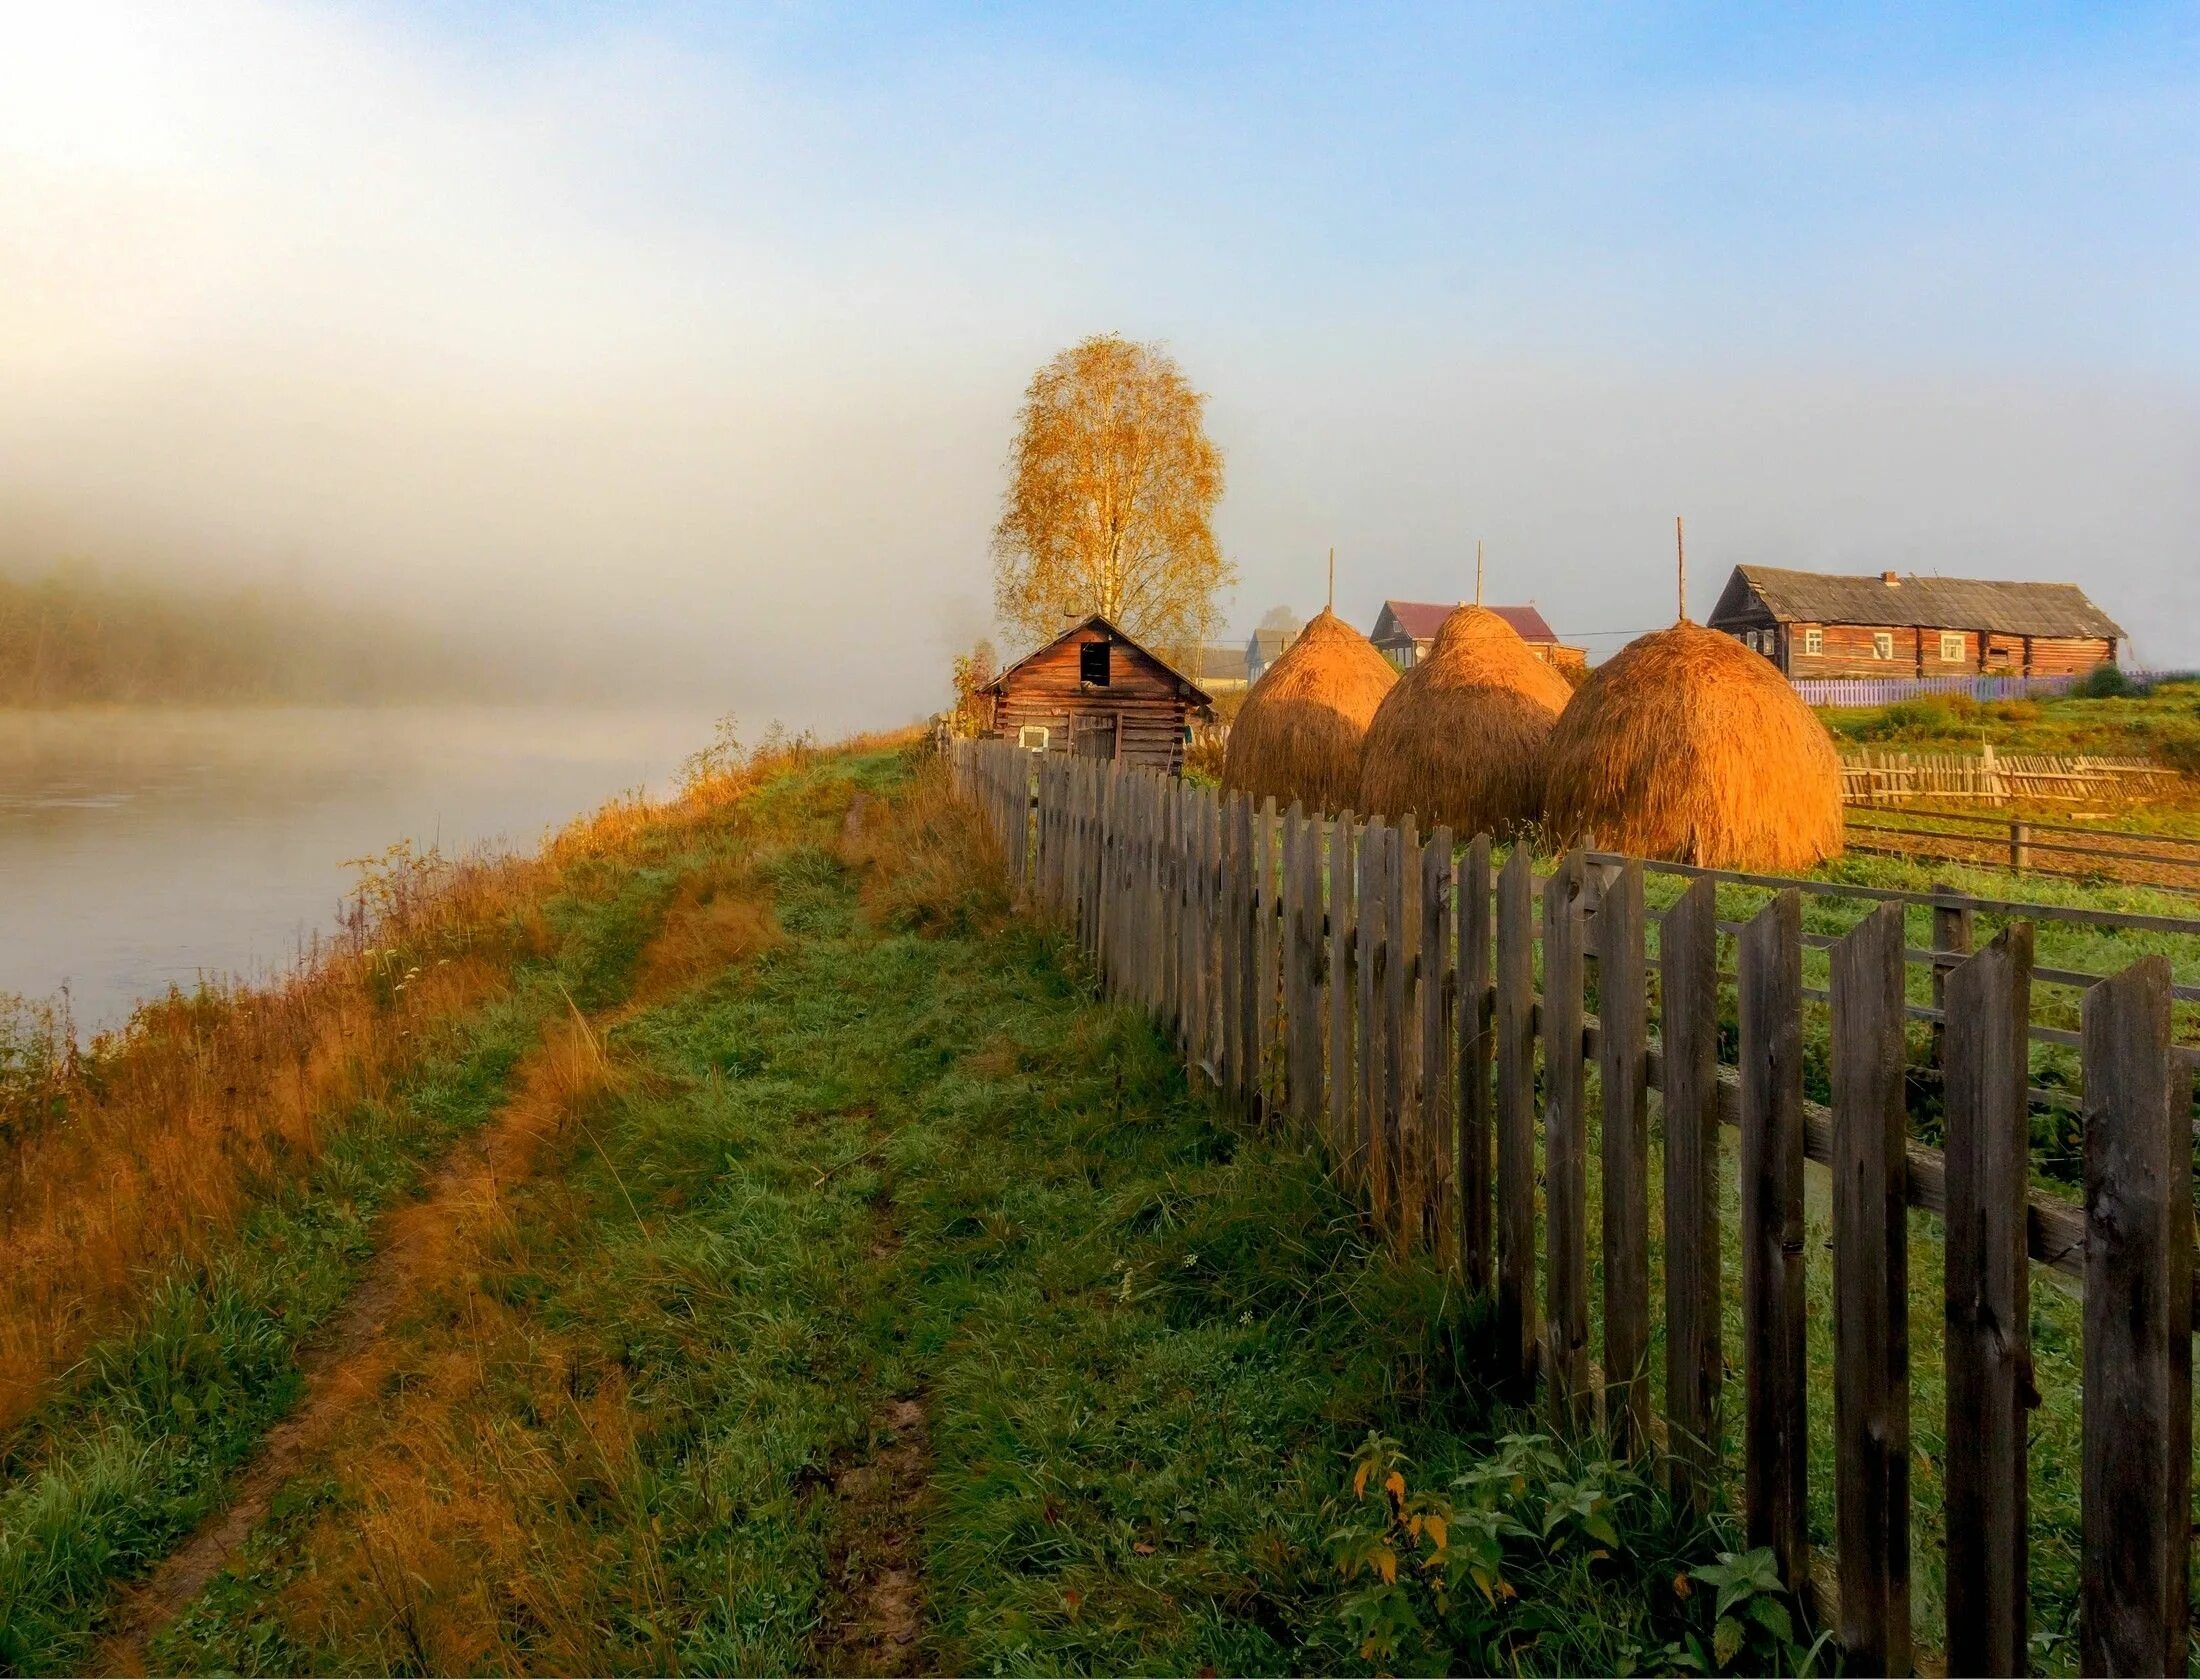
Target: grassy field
[
  {"x": 2162, "y": 724},
  {"x": 793, "y": 1266}
]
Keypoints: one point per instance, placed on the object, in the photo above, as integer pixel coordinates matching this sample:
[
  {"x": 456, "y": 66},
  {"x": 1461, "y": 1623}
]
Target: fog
[{"x": 693, "y": 355}]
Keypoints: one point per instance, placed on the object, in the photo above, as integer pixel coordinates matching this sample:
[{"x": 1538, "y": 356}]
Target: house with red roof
[{"x": 1404, "y": 629}]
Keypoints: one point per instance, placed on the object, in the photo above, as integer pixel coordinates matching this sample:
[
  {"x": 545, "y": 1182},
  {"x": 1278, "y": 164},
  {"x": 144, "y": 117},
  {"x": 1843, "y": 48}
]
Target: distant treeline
[{"x": 75, "y": 636}]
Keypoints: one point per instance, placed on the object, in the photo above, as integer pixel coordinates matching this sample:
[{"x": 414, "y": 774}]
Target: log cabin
[
  {"x": 1818, "y": 624},
  {"x": 1405, "y": 629},
  {"x": 1093, "y": 690}
]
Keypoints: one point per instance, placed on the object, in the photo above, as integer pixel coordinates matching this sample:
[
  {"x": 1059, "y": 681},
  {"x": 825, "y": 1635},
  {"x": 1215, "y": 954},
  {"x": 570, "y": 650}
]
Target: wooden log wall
[{"x": 1378, "y": 996}]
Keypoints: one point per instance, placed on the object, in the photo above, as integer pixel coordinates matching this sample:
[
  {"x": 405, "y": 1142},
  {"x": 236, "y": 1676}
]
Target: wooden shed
[
  {"x": 1813, "y": 624},
  {"x": 1093, "y": 690}
]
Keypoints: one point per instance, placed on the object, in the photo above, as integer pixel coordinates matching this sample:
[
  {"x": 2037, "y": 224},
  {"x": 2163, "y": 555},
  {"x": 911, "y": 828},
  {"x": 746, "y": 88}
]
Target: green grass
[
  {"x": 2163, "y": 725},
  {"x": 871, "y": 1165},
  {"x": 139, "y": 1443}
]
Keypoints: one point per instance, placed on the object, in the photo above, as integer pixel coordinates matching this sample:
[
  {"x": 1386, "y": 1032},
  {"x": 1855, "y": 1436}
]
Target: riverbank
[{"x": 794, "y": 1267}]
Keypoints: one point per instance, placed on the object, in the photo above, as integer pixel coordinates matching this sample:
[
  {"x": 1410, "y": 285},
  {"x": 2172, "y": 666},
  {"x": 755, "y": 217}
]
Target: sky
[{"x": 691, "y": 337}]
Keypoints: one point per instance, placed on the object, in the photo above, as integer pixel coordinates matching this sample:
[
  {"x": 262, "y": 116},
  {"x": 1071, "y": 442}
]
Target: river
[{"x": 143, "y": 848}]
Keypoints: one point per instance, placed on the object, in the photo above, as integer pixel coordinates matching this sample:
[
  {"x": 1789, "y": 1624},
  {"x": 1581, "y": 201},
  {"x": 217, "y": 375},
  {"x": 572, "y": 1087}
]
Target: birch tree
[{"x": 1112, "y": 482}]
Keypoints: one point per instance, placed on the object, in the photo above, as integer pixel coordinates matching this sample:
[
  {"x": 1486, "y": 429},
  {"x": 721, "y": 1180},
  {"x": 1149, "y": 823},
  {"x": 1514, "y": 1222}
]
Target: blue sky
[{"x": 717, "y": 313}]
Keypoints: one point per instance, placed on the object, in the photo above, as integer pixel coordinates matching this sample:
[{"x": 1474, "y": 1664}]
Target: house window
[
  {"x": 1814, "y": 642},
  {"x": 1882, "y": 644},
  {"x": 1032, "y": 737},
  {"x": 1951, "y": 648},
  {"x": 1092, "y": 663}
]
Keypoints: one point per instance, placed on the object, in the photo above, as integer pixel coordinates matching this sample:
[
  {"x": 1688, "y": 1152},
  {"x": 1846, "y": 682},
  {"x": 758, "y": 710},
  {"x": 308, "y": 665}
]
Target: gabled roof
[
  {"x": 1952, "y": 603},
  {"x": 1269, "y": 642},
  {"x": 1421, "y": 619},
  {"x": 1192, "y": 690}
]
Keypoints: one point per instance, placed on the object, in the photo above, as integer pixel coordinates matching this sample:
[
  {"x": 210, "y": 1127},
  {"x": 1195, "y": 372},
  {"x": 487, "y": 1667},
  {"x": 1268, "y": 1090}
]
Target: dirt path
[
  {"x": 882, "y": 1579},
  {"x": 349, "y": 1367}
]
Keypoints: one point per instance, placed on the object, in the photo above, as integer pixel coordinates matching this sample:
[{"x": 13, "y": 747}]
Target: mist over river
[{"x": 142, "y": 848}]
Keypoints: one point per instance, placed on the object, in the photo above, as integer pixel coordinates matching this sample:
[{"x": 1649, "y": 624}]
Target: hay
[
  {"x": 1298, "y": 733},
  {"x": 1688, "y": 746},
  {"x": 1459, "y": 741}
]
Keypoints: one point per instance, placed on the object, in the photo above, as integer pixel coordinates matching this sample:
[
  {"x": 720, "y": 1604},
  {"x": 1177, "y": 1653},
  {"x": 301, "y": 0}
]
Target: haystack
[
  {"x": 1298, "y": 734},
  {"x": 1688, "y": 746},
  {"x": 1460, "y": 740}
]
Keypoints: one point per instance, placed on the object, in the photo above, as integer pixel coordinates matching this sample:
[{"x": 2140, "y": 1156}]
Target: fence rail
[{"x": 1379, "y": 995}]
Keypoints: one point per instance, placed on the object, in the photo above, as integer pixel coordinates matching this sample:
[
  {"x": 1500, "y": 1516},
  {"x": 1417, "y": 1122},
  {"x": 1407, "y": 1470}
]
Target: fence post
[
  {"x": 1268, "y": 926},
  {"x": 1401, "y": 1119},
  {"x": 2136, "y": 1510},
  {"x": 2020, "y": 846},
  {"x": 1565, "y": 1150},
  {"x": 1306, "y": 958},
  {"x": 1369, "y": 921},
  {"x": 1871, "y": 1301},
  {"x": 1688, "y": 1028},
  {"x": 1434, "y": 1087},
  {"x": 1237, "y": 843},
  {"x": 1621, "y": 1006},
  {"x": 1775, "y": 1432},
  {"x": 1343, "y": 1065},
  {"x": 1518, "y": 1331},
  {"x": 1472, "y": 895},
  {"x": 1989, "y": 1310}
]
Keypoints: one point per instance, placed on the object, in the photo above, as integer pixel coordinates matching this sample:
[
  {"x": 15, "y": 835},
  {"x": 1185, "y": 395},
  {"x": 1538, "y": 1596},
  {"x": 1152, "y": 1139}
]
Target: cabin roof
[
  {"x": 1192, "y": 691},
  {"x": 1421, "y": 619},
  {"x": 2051, "y": 609}
]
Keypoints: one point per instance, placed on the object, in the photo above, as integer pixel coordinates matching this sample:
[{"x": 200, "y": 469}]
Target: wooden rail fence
[
  {"x": 1877, "y": 775},
  {"x": 1377, "y": 991}
]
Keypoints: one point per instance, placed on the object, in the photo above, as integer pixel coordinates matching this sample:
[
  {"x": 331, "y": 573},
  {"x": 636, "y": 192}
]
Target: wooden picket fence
[
  {"x": 1878, "y": 776},
  {"x": 1379, "y": 993}
]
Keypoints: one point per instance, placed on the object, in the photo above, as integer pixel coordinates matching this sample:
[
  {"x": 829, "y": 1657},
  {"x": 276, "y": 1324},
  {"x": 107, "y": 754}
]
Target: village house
[
  {"x": 1815, "y": 624},
  {"x": 1405, "y": 628},
  {"x": 1094, "y": 691}
]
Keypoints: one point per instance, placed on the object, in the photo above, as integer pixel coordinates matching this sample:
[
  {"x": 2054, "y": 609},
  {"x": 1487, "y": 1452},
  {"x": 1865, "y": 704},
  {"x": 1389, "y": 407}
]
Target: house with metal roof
[
  {"x": 1819, "y": 624},
  {"x": 1405, "y": 628}
]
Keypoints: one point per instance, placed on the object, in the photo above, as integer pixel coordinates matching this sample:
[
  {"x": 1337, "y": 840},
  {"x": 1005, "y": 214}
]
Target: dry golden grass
[
  {"x": 119, "y": 1158},
  {"x": 1459, "y": 742},
  {"x": 1686, "y": 745},
  {"x": 1299, "y": 731},
  {"x": 930, "y": 864}
]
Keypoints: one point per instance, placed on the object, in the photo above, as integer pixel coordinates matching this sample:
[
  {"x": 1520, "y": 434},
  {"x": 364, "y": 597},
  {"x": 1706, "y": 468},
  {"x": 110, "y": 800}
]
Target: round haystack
[
  {"x": 1298, "y": 734},
  {"x": 1688, "y": 746},
  {"x": 1459, "y": 741}
]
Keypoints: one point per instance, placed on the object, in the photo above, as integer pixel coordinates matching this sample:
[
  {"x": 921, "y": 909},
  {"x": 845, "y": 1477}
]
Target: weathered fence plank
[
  {"x": 1688, "y": 1088},
  {"x": 1622, "y": 1075},
  {"x": 1519, "y": 1331},
  {"x": 1775, "y": 1426},
  {"x": 1688, "y": 1027},
  {"x": 1871, "y": 1304},
  {"x": 1565, "y": 1153},
  {"x": 1989, "y": 1309},
  {"x": 1477, "y": 933},
  {"x": 2136, "y": 1510},
  {"x": 1402, "y": 1127},
  {"x": 1434, "y": 1089},
  {"x": 1305, "y": 1035},
  {"x": 1343, "y": 1059},
  {"x": 1371, "y": 924}
]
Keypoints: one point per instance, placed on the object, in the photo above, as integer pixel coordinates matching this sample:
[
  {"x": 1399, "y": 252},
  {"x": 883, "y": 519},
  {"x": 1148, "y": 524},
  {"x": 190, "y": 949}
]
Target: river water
[{"x": 141, "y": 849}]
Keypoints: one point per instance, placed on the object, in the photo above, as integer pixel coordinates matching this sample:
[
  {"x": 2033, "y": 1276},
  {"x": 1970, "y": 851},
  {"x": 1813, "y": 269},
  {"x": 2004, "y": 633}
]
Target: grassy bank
[{"x": 866, "y": 1297}]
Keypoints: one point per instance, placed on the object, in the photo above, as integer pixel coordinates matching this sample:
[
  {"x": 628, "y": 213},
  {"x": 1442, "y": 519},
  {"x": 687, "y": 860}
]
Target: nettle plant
[{"x": 1478, "y": 1567}]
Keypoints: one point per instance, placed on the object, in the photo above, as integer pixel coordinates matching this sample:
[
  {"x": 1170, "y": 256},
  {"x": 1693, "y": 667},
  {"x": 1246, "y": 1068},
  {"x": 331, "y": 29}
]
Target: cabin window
[
  {"x": 1882, "y": 644},
  {"x": 1814, "y": 642},
  {"x": 1951, "y": 648},
  {"x": 1092, "y": 663},
  {"x": 1032, "y": 737}
]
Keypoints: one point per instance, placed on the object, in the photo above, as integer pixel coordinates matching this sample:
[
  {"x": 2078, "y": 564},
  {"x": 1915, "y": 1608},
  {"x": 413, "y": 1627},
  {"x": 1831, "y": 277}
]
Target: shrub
[{"x": 2106, "y": 682}]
